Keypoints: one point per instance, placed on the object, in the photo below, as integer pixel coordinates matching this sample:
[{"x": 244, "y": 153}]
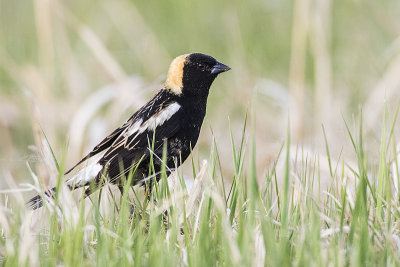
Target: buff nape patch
[{"x": 175, "y": 74}]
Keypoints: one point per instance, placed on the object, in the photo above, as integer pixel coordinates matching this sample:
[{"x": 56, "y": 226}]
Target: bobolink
[{"x": 170, "y": 121}]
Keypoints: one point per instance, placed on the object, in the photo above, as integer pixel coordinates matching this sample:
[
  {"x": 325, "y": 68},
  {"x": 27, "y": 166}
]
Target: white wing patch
[
  {"x": 153, "y": 122},
  {"x": 139, "y": 127},
  {"x": 134, "y": 128},
  {"x": 86, "y": 175},
  {"x": 159, "y": 118},
  {"x": 89, "y": 173}
]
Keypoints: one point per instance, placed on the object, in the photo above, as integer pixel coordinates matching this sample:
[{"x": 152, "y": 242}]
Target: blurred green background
[{"x": 77, "y": 69}]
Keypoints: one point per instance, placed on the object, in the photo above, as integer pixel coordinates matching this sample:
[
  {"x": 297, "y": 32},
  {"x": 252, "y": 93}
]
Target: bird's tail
[
  {"x": 37, "y": 201},
  {"x": 88, "y": 176}
]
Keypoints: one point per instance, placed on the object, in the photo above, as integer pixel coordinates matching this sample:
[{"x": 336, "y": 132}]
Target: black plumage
[{"x": 172, "y": 118}]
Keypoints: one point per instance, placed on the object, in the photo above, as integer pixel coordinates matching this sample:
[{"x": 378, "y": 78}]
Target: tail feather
[
  {"x": 37, "y": 201},
  {"x": 86, "y": 176}
]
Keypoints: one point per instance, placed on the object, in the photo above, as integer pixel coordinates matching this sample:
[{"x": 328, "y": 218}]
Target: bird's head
[{"x": 193, "y": 73}]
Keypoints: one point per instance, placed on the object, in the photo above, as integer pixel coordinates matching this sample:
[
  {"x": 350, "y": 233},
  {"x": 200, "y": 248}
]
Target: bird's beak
[{"x": 219, "y": 67}]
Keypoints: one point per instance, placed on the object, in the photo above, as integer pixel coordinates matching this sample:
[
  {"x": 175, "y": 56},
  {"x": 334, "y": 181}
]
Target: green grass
[
  {"x": 272, "y": 192},
  {"x": 255, "y": 222}
]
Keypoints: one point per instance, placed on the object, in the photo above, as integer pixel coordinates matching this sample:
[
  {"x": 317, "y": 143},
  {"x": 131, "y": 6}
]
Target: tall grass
[
  {"x": 269, "y": 193},
  {"x": 79, "y": 69},
  {"x": 259, "y": 222}
]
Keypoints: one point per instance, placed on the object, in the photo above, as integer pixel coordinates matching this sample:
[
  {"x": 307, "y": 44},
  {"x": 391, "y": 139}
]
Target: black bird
[{"x": 173, "y": 117}]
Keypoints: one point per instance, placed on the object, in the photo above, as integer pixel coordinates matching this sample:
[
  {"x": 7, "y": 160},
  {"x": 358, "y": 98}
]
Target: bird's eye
[{"x": 201, "y": 66}]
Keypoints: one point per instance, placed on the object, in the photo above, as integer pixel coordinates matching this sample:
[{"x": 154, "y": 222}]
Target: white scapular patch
[
  {"x": 152, "y": 123},
  {"x": 134, "y": 128},
  {"x": 85, "y": 175},
  {"x": 159, "y": 118}
]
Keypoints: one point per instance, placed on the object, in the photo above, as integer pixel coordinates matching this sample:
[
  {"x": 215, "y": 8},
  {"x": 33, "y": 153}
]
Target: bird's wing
[
  {"x": 104, "y": 144},
  {"x": 146, "y": 134},
  {"x": 143, "y": 119},
  {"x": 162, "y": 123}
]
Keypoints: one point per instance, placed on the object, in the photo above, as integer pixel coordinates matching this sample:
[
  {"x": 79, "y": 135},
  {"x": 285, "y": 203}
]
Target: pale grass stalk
[
  {"x": 259, "y": 249},
  {"x": 196, "y": 189},
  {"x": 197, "y": 217},
  {"x": 15, "y": 190},
  {"x": 44, "y": 25},
  {"x": 5, "y": 224},
  {"x": 101, "y": 53},
  {"x": 28, "y": 249},
  {"x": 176, "y": 199},
  {"x": 326, "y": 233},
  {"x": 94, "y": 43},
  {"x": 297, "y": 83},
  {"x": 386, "y": 88},
  {"x": 84, "y": 115},
  {"x": 148, "y": 48},
  {"x": 45, "y": 168},
  {"x": 395, "y": 172},
  {"x": 227, "y": 228},
  {"x": 320, "y": 48},
  {"x": 396, "y": 240}
]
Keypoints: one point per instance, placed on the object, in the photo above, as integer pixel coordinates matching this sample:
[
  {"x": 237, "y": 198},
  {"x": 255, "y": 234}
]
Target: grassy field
[{"x": 297, "y": 163}]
